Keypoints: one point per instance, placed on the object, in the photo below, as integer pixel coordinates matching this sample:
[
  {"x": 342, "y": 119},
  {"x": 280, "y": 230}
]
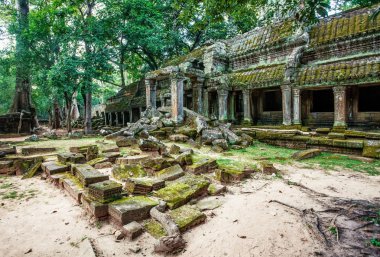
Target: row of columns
[{"x": 108, "y": 117}]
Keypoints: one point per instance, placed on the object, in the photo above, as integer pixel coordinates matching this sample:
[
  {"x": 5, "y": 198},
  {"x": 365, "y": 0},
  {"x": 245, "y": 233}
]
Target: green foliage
[
  {"x": 7, "y": 80},
  {"x": 375, "y": 242}
]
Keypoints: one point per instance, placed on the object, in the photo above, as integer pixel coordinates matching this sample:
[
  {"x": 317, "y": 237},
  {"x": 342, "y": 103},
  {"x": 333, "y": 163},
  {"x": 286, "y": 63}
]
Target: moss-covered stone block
[
  {"x": 216, "y": 189},
  {"x": 323, "y": 130},
  {"x": 335, "y": 135},
  {"x": 171, "y": 173},
  {"x": 154, "y": 228},
  {"x": 122, "y": 172},
  {"x": 130, "y": 209},
  {"x": 202, "y": 166},
  {"x": 355, "y": 133},
  {"x": 181, "y": 191},
  {"x": 105, "y": 191},
  {"x": 186, "y": 217},
  {"x": 371, "y": 149},
  {"x": 145, "y": 185},
  {"x": 68, "y": 158},
  {"x": 97, "y": 161},
  {"x": 306, "y": 154},
  {"x": 372, "y": 135},
  {"x": 187, "y": 131},
  {"x": 351, "y": 143},
  {"x": 87, "y": 174},
  {"x": 229, "y": 175},
  {"x": 94, "y": 208}
]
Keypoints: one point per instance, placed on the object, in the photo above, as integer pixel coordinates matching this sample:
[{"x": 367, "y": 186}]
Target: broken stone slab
[
  {"x": 222, "y": 143},
  {"x": 132, "y": 230},
  {"x": 171, "y": 173},
  {"x": 178, "y": 138},
  {"x": 73, "y": 187},
  {"x": 229, "y": 135},
  {"x": 130, "y": 209},
  {"x": 92, "y": 152},
  {"x": 209, "y": 203},
  {"x": 267, "y": 168},
  {"x": 143, "y": 186},
  {"x": 95, "y": 208},
  {"x": 186, "y": 217},
  {"x": 97, "y": 161},
  {"x": 8, "y": 149},
  {"x": 122, "y": 172},
  {"x": 181, "y": 191},
  {"x": 111, "y": 156},
  {"x": 131, "y": 160},
  {"x": 105, "y": 191},
  {"x": 80, "y": 149},
  {"x": 200, "y": 124},
  {"x": 33, "y": 170},
  {"x": 86, "y": 249},
  {"x": 174, "y": 149},
  {"x": 54, "y": 167},
  {"x": 67, "y": 158},
  {"x": 184, "y": 159},
  {"x": 6, "y": 167},
  {"x": 126, "y": 141},
  {"x": 103, "y": 165},
  {"x": 336, "y": 135},
  {"x": 187, "y": 131},
  {"x": 306, "y": 154},
  {"x": 23, "y": 164},
  {"x": 111, "y": 150},
  {"x": 37, "y": 150},
  {"x": 151, "y": 145},
  {"x": 216, "y": 189},
  {"x": 210, "y": 135},
  {"x": 87, "y": 174},
  {"x": 156, "y": 164},
  {"x": 230, "y": 175},
  {"x": 202, "y": 166}
]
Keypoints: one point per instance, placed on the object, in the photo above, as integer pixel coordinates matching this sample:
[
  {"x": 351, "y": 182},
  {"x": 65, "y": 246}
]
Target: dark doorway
[
  {"x": 369, "y": 99},
  {"x": 135, "y": 114},
  {"x": 272, "y": 101},
  {"x": 188, "y": 99},
  {"x": 322, "y": 100},
  {"x": 213, "y": 104},
  {"x": 119, "y": 118}
]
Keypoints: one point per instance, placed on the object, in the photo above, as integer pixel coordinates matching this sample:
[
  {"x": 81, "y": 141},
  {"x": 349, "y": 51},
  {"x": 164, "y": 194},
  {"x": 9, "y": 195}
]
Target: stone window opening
[
  {"x": 322, "y": 100},
  {"x": 369, "y": 99}
]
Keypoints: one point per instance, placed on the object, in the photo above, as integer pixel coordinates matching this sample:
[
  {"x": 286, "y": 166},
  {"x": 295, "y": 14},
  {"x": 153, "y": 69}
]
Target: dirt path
[{"x": 46, "y": 221}]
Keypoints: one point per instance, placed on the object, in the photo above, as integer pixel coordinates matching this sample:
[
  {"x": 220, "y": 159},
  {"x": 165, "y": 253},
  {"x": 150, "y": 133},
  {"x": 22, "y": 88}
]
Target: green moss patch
[
  {"x": 187, "y": 216},
  {"x": 121, "y": 172},
  {"x": 154, "y": 229}
]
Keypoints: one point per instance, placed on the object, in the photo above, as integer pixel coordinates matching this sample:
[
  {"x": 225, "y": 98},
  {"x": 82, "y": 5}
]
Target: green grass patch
[
  {"x": 329, "y": 161},
  {"x": 5, "y": 185},
  {"x": 375, "y": 242},
  {"x": 10, "y": 195}
]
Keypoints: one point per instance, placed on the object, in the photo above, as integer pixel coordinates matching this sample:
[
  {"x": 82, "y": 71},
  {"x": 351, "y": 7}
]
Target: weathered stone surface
[
  {"x": 323, "y": 130},
  {"x": 96, "y": 161},
  {"x": 174, "y": 149},
  {"x": 126, "y": 141},
  {"x": 187, "y": 216},
  {"x": 130, "y": 209},
  {"x": 6, "y": 149},
  {"x": 103, "y": 165},
  {"x": 182, "y": 190},
  {"x": 94, "y": 208},
  {"x": 372, "y": 135},
  {"x": 209, "y": 203},
  {"x": 184, "y": 159},
  {"x": 131, "y": 160},
  {"x": 80, "y": 149},
  {"x": 216, "y": 189},
  {"x": 105, "y": 191},
  {"x": 122, "y": 172},
  {"x": 348, "y": 143},
  {"x": 335, "y": 135},
  {"x": 92, "y": 152},
  {"x": 87, "y": 174},
  {"x": 6, "y": 167},
  {"x": 73, "y": 187},
  {"x": 67, "y": 158},
  {"x": 143, "y": 186},
  {"x": 178, "y": 138},
  {"x": 111, "y": 156},
  {"x": 200, "y": 124},
  {"x": 371, "y": 149},
  {"x": 36, "y": 150},
  {"x": 306, "y": 154},
  {"x": 170, "y": 173},
  {"x": 202, "y": 166},
  {"x": 246, "y": 138},
  {"x": 154, "y": 228},
  {"x": 229, "y": 135},
  {"x": 187, "y": 131},
  {"x": 110, "y": 150},
  {"x": 267, "y": 167},
  {"x": 230, "y": 175},
  {"x": 158, "y": 163},
  {"x": 151, "y": 145},
  {"x": 222, "y": 143},
  {"x": 33, "y": 170},
  {"x": 23, "y": 164},
  {"x": 132, "y": 230},
  {"x": 210, "y": 135}
]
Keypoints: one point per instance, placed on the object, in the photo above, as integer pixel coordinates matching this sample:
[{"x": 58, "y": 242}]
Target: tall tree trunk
[
  {"x": 88, "y": 122},
  {"x": 68, "y": 100},
  {"x": 121, "y": 65},
  {"x": 22, "y": 97}
]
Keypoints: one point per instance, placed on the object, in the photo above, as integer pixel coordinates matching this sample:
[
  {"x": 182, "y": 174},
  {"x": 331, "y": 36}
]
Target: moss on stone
[
  {"x": 139, "y": 201},
  {"x": 154, "y": 228},
  {"x": 186, "y": 217},
  {"x": 121, "y": 172}
]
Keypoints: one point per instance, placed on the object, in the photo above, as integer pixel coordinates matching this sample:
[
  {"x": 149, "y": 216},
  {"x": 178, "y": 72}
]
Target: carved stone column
[
  {"x": 199, "y": 95},
  {"x": 205, "y": 103},
  {"x": 130, "y": 116},
  {"x": 176, "y": 84},
  {"x": 286, "y": 105},
  {"x": 150, "y": 88},
  {"x": 222, "y": 102},
  {"x": 232, "y": 105},
  {"x": 296, "y": 106},
  {"x": 123, "y": 114},
  {"x": 340, "y": 107},
  {"x": 247, "y": 106}
]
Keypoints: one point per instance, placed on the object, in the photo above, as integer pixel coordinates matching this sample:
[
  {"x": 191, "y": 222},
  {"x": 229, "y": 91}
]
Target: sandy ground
[{"x": 46, "y": 222}]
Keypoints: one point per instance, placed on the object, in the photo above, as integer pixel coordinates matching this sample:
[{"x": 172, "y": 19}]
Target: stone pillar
[
  {"x": 232, "y": 105},
  {"x": 286, "y": 105},
  {"x": 105, "y": 119},
  {"x": 297, "y": 106},
  {"x": 247, "y": 106},
  {"x": 340, "y": 107},
  {"x": 150, "y": 88},
  {"x": 123, "y": 114},
  {"x": 199, "y": 96},
  {"x": 222, "y": 102},
  {"x": 130, "y": 116},
  {"x": 110, "y": 118},
  {"x": 205, "y": 102},
  {"x": 176, "y": 84}
]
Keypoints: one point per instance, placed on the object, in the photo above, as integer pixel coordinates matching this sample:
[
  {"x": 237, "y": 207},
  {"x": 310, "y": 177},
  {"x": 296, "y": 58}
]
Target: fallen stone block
[
  {"x": 105, "y": 191},
  {"x": 155, "y": 229},
  {"x": 209, "y": 135},
  {"x": 132, "y": 160},
  {"x": 184, "y": 159},
  {"x": 187, "y": 216},
  {"x": 56, "y": 179},
  {"x": 111, "y": 156},
  {"x": 80, "y": 149},
  {"x": 182, "y": 190},
  {"x": 54, "y": 167},
  {"x": 170, "y": 173},
  {"x": 143, "y": 186},
  {"x": 373, "y": 135},
  {"x": 178, "y": 138},
  {"x": 6, "y": 167},
  {"x": 130, "y": 209},
  {"x": 126, "y": 141},
  {"x": 94, "y": 208},
  {"x": 267, "y": 168},
  {"x": 68, "y": 158},
  {"x": 97, "y": 161},
  {"x": 187, "y": 131},
  {"x": 174, "y": 149},
  {"x": 336, "y": 135},
  {"x": 103, "y": 165},
  {"x": 209, "y": 203},
  {"x": 203, "y": 166},
  {"x": 32, "y": 171},
  {"x": 132, "y": 230},
  {"x": 87, "y": 174},
  {"x": 92, "y": 152},
  {"x": 122, "y": 172},
  {"x": 23, "y": 164},
  {"x": 323, "y": 130},
  {"x": 151, "y": 145},
  {"x": 111, "y": 150},
  {"x": 73, "y": 187},
  {"x": 156, "y": 164},
  {"x": 230, "y": 175},
  {"x": 222, "y": 143},
  {"x": 306, "y": 154},
  {"x": 8, "y": 149},
  {"x": 216, "y": 189},
  {"x": 37, "y": 150},
  {"x": 371, "y": 149}
]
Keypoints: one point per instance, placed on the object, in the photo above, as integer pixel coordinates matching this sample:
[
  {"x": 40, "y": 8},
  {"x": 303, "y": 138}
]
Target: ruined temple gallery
[{"x": 327, "y": 76}]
